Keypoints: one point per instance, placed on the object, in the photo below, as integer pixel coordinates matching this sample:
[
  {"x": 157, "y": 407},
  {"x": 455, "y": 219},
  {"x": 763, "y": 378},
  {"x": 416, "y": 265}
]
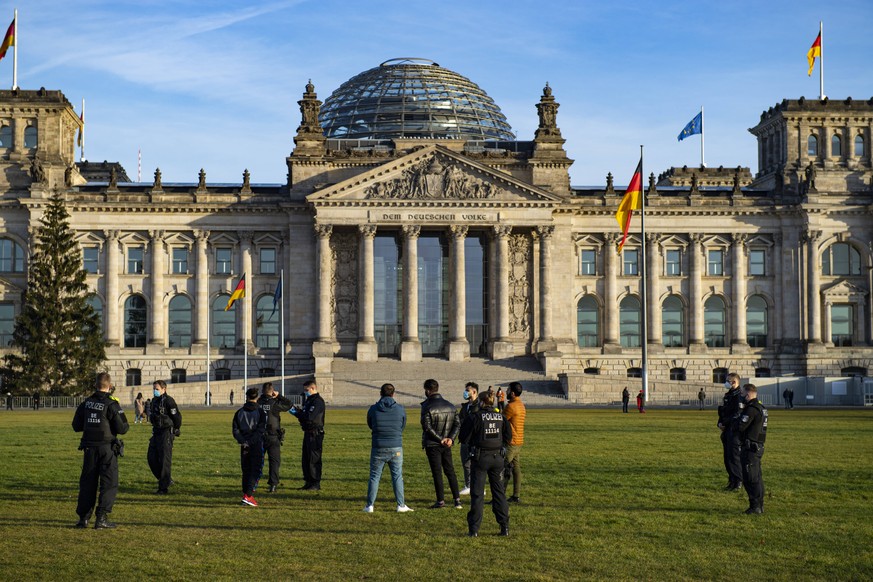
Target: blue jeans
[{"x": 378, "y": 457}]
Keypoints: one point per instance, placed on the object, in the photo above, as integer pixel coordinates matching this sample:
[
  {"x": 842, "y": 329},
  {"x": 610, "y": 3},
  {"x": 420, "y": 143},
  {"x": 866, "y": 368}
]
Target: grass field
[{"x": 605, "y": 496}]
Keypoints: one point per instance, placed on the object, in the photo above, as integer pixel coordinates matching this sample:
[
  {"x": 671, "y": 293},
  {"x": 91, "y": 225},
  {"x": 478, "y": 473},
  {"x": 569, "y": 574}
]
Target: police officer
[
  {"x": 273, "y": 404},
  {"x": 752, "y": 429},
  {"x": 100, "y": 419},
  {"x": 166, "y": 424},
  {"x": 487, "y": 432},
  {"x": 728, "y": 415},
  {"x": 311, "y": 417}
]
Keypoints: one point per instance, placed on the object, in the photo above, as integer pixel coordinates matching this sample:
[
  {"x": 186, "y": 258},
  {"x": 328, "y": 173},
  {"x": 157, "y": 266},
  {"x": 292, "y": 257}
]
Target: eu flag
[
  {"x": 694, "y": 126},
  {"x": 277, "y": 295}
]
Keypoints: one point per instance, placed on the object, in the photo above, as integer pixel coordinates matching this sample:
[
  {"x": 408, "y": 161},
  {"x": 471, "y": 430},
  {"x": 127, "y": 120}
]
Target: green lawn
[{"x": 606, "y": 496}]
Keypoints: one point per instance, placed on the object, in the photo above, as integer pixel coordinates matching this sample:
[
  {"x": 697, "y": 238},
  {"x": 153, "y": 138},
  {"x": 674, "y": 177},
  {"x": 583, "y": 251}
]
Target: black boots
[
  {"x": 103, "y": 523},
  {"x": 82, "y": 523}
]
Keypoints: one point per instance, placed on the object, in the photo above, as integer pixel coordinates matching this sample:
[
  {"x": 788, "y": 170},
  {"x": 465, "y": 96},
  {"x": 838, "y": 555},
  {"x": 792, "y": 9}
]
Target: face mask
[
  {"x": 157, "y": 393},
  {"x": 466, "y": 394},
  {"x": 728, "y": 385}
]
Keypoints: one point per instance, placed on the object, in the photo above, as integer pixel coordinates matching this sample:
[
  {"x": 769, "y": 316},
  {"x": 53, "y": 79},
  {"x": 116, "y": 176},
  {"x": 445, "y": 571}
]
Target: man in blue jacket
[{"x": 386, "y": 419}]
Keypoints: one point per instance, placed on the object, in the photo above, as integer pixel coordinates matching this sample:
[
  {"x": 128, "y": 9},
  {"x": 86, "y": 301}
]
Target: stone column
[
  {"x": 811, "y": 238},
  {"x": 611, "y": 342},
  {"x": 367, "y": 349},
  {"x": 113, "y": 324},
  {"x": 502, "y": 346},
  {"x": 201, "y": 289},
  {"x": 323, "y": 281},
  {"x": 777, "y": 329},
  {"x": 157, "y": 331},
  {"x": 547, "y": 339},
  {"x": 245, "y": 327},
  {"x": 695, "y": 286},
  {"x": 653, "y": 292},
  {"x": 828, "y": 331},
  {"x": 410, "y": 346},
  {"x": 739, "y": 341},
  {"x": 458, "y": 348}
]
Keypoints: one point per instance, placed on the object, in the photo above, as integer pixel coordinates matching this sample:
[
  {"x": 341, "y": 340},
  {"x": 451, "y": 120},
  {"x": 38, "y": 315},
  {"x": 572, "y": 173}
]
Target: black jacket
[
  {"x": 731, "y": 408},
  {"x": 487, "y": 430},
  {"x": 311, "y": 414},
  {"x": 100, "y": 418},
  {"x": 439, "y": 420},
  {"x": 752, "y": 424},
  {"x": 274, "y": 407},
  {"x": 467, "y": 410},
  {"x": 249, "y": 424},
  {"x": 164, "y": 414}
]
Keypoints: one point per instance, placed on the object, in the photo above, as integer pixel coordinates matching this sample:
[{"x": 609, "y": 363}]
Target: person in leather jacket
[{"x": 440, "y": 428}]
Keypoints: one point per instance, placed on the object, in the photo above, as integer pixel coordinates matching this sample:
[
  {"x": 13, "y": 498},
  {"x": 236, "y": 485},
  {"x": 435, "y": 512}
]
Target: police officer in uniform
[
  {"x": 166, "y": 424},
  {"x": 311, "y": 417},
  {"x": 100, "y": 419},
  {"x": 728, "y": 415},
  {"x": 273, "y": 404},
  {"x": 487, "y": 433},
  {"x": 752, "y": 428}
]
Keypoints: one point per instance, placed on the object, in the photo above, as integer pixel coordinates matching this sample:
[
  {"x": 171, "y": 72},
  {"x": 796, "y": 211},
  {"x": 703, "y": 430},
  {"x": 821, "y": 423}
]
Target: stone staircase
[{"x": 357, "y": 383}]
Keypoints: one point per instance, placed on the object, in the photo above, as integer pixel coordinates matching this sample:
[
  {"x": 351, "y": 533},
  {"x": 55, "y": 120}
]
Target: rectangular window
[
  {"x": 7, "y": 324},
  {"x": 842, "y": 325},
  {"x": 715, "y": 263},
  {"x": 631, "y": 262},
  {"x": 673, "y": 265},
  {"x": 756, "y": 262},
  {"x": 223, "y": 261},
  {"x": 588, "y": 264},
  {"x": 90, "y": 257},
  {"x": 180, "y": 261},
  {"x": 268, "y": 261},
  {"x": 135, "y": 260}
]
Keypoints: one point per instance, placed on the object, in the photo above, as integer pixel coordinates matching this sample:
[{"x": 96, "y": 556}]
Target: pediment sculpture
[{"x": 431, "y": 179}]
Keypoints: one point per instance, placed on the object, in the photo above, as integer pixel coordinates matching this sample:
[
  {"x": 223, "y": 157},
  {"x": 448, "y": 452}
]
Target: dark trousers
[
  {"x": 465, "y": 463},
  {"x": 99, "y": 467},
  {"x": 624, "y": 405},
  {"x": 490, "y": 464},
  {"x": 273, "y": 451},
  {"x": 731, "y": 444},
  {"x": 753, "y": 479},
  {"x": 440, "y": 460},
  {"x": 160, "y": 457},
  {"x": 251, "y": 460},
  {"x": 311, "y": 459}
]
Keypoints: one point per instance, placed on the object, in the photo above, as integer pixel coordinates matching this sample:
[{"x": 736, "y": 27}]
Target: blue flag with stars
[
  {"x": 277, "y": 295},
  {"x": 694, "y": 126}
]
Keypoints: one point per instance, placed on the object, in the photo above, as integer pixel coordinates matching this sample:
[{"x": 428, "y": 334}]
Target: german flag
[
  {"x": 238, "y": 293},
  {"x": 814, "y": 51},
  {"x": 633, "y": 200},
  {"x": 8, "y": 40}
]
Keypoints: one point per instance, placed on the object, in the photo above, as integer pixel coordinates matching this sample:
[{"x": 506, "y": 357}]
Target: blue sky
[{"x": 215, "y": 84}]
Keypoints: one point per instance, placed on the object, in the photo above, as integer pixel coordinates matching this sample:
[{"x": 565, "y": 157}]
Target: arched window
[
  {"x": 11, "y": 256},
  {"x": 812, "y": 146},
  {"x": 719, "y": 375},
  {"x": 630, "y": 322},
  {"x": 180, "y": 322},
  {"x": 178, "y": 376},
  {"x": 133, "y": 377},
  {"x": 756, "y": 321},
  {"x": 97, "y": 305},
  {"x": 836, "y": 146},
  {"x": 841, "y": 259},
  {"x": 30, "y": 137},
  {"x": 859, "y": 145},
  {"x": 268, "y": 323},
  {"x": 853, "y": 371},
  {"x": 714, "y": 322},
  {"x": 222, "y": 374},
  {"x": 7, "y": 324},
  {"x": 223, "y": 323},
  {"x": 266, "y": 372},
  {"x": 6, "y": 137},
  {"x": 135, "y": 318},
  {"x": 587, "y": 322},
  {"x": 672, "y": 322},
  {"x": 677, "y": 374}
]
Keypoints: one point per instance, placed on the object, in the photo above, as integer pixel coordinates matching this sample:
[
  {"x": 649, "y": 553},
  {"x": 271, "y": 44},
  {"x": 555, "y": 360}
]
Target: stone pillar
[
  {"x": 811, "y": 238},
  {"x": 547, "y": 339},
  {"x": 695, "y": 286},
  {"x": 502, "y": 346},
  {"x": 245, "y": 327},
  {"x": 492, "y": 287},
  {"x": 157, "y": 331},
  {"x": 611, "y": 342},
  {"x": 410, "y": 346},
  {"x": 777, "y": 329},
  {"x": 367, "y": 349},
  {"x": 653, "y": 307},
  {"x": 201, "y": 287},
  {"x": 323, "y": 279},
  {"x": 739, "y": 341},
  {"x": 458, "y": 348},
  {"x": 828, "y": 330},
  {"x": 113, "y": 321}
]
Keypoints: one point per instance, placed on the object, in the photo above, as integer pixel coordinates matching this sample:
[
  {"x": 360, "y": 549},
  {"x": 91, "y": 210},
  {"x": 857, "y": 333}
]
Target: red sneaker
[{"x": 249, "y": 500}]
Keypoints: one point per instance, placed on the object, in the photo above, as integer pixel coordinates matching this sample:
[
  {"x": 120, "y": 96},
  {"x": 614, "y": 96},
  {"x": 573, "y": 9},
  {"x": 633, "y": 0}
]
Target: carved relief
[
  {"x": 430, "y": 179},
  {"x": 520, "y": 319},
  {"x": 344, "y": 300}
]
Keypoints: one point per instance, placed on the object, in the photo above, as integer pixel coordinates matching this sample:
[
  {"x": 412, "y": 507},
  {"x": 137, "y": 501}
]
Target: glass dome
[{"x": 412, "y": 98}]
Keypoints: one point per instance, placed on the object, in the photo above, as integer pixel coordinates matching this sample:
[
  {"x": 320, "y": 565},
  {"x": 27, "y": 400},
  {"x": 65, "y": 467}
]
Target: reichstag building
[{"x": 414, "y": 225}]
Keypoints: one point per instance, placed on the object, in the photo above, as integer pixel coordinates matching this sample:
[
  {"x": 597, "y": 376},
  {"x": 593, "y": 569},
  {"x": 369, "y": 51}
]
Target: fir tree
[{"x": 58, "y": 333}]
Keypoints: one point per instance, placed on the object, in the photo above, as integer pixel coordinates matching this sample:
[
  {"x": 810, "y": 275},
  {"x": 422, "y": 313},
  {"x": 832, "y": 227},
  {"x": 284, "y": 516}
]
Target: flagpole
[
  {"x": 245, "y": 341},
  {"x": 82, "y": 149},
  {"x": 15, "y": 51},
  {"x": 208, "y": 355},
  {"x": 702, "y": 129},
  {"x": 643, "y": 291},
  {"x": 282, "y": 325},
  {"x": 820, "y": 61}
]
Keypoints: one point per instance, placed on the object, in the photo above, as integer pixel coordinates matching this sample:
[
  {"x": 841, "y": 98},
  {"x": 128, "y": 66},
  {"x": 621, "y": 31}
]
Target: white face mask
[{"x": 728, "y": 385}]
